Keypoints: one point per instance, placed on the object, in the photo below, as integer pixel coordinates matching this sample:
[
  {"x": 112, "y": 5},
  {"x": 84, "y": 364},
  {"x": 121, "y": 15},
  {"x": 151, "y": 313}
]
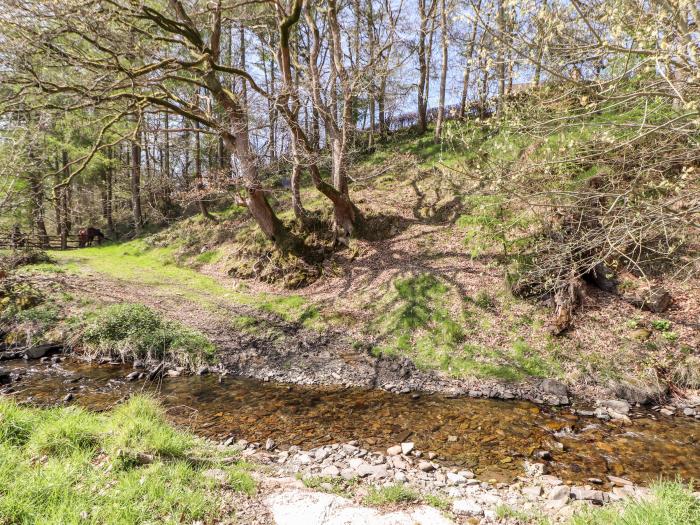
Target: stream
[{"x": 490, "y": 437}]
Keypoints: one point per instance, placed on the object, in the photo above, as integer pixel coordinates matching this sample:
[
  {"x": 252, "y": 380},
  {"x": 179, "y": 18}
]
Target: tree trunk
[
  {"x": 443, "y": 71},
  {"x": 467, "y": 67},
  {"x": 199, "y": 180},
  {"x": 136, "y": 181}
]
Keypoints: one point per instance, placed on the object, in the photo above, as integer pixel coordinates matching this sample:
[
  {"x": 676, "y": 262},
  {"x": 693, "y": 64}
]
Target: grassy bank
[{"x": 67, "y": 465}]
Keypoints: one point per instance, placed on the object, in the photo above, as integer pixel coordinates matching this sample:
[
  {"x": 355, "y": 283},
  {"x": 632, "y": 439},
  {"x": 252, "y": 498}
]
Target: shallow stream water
[{"x": 491, "y": 437}]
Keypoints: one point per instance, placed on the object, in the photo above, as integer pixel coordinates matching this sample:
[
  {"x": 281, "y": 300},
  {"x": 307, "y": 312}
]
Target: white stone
[
  {"x": 406, "y": 448},
  {"x": 314, "y": 508},
  {"x": 455, "y": 479},
  {"x": 467, "y": 507},
  {"x": 532, "y": 492},
  {"x": 559, "y": 493},
  {"x": 394, "y": 451}
]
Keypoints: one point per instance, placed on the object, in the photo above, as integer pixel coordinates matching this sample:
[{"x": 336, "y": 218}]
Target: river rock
[
  {"x": 376, "y": 471},
  {"x": 426, "y": 466},
  {"x": 40, "y": 351},
  {"x": 532, "y": 492},
  {"x": 331, "y": 471},
  {"x": 614, "y": 405},
  {"x": 467, "y": 507},
  {"x": 303, "y": 459},
  {"x": 133, "y": 376},
  {"x": 68, "y": 398},
  {"x": 687, "y": 411},
  {"x": 394, "y": 451},
  {"x": 270, "y": 444},
  {"x": 406, "y": 448},
  {"x": 455, "y": 479},
  {"x": 620, "y": 482},
  {"x": 321, "y": 454},
  {"x": 297, "y": 507},
  {"x": 559, "y": 493},
  {"x": 400, "y": 477},
  {"x": 554, "y": 388},
  {"x": 666, "y": 412},
  {"x": 583, "y": 493},
  {"x": 5, "y": 377}
]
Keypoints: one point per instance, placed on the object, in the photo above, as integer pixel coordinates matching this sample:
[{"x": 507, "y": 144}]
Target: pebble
[
  {"x": 426, "y": 466},
  {"x": 394, "y": 451},
  {"x": 666, "y": 412}
]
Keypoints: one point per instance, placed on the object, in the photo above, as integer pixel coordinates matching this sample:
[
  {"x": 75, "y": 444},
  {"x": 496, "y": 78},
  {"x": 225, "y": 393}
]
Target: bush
[{"x": 133, "y": 331}]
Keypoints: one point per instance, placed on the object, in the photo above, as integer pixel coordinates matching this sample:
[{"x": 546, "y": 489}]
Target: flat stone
[
  {"x": 40, "y": 351},
  {"x": 356, "y": 463},
  {"x": 331, "y": 471},
  {"x": 399, "y": 463},
  {"x": 559, "y": 493},
  {"x": 666, "y": 412},
  {"x": 349, "y": 449},
  {"x": 582, "y": 493},
  {"x": 407, "y": 447},
  {"x": 270, "y": 444},
  {"x": 321, "y": 454},
  {"x": 348, "y": 473},
  {"x": 616, "y": 405},
  {"x": 133, "y": 376},
  {"x": 303, "y": 459},
  {"x": 455, "y": 479},
  {"x": 394, "y": 451},
  {"x": 426, "y": 466},
  {"x": 620, "y": 482},
  {"x": 554, "y": 387},
  {"x": 468, "y": 474},
  {"x": 467, "y": 507},
  {"x": 297, "y": 507},
  {"x": 532, "y": 492},
  {"x": 688, "y": 411}
]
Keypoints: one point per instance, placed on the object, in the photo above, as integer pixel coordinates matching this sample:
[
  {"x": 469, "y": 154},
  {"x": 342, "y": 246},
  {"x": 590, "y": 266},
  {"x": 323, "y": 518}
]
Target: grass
[
  {"x": 158, "y": 268},
  {"x": 416, "y": 322},
  {"x": 671, "y": 503},
  {"x": 133, "y": 331},
  {"x": 506, "y": 512},
  {"x": 338, "y": 486},
  {"x": 67, "y": 465},
  {"x": 391, "y": 495}
]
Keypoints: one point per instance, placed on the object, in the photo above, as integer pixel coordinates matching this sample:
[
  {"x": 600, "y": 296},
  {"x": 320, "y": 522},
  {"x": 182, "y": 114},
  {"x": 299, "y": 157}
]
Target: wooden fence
[{"x": 48, "y": 242}]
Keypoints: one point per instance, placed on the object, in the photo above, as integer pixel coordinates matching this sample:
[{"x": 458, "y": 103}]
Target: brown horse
[{"x": 87, "y": 235}]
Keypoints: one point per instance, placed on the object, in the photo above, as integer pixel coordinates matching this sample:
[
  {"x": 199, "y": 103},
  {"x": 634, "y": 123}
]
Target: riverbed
[{"x": 493, "y": 438}]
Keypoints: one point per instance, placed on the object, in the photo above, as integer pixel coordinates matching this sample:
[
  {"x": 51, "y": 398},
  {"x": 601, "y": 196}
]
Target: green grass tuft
[
  {"x": 391, "y": 494},
  {"x": 134, "y": 331},
  {"x": 671, "y": 503}
]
